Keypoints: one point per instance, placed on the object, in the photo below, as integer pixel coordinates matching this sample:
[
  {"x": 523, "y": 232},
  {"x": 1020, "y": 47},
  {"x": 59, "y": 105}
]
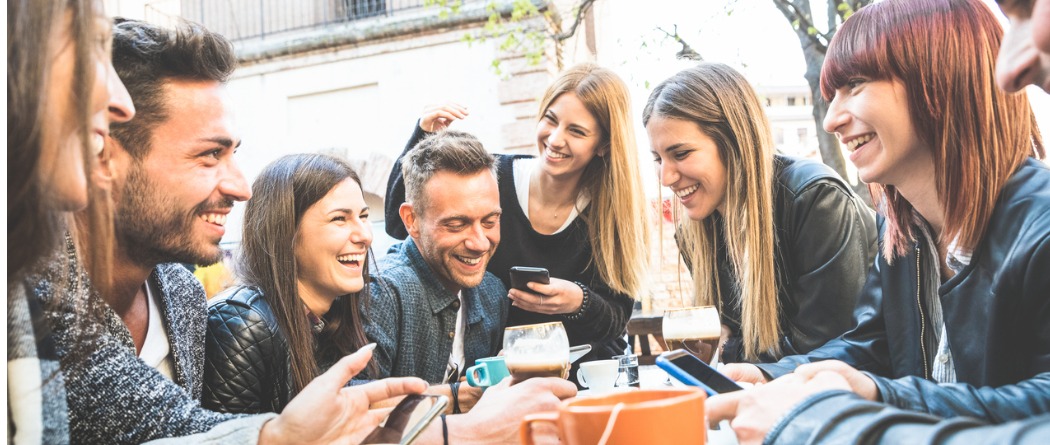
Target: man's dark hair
[
  {"x": 449, "y": 150},
  {"x": 146, "y": 56}
]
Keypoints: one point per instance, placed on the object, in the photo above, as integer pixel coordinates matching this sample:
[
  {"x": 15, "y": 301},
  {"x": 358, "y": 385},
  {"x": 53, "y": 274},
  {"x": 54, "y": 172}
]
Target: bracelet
[
  {"x": 583, "y": 306},
  {"x": 454, "y": 389},
  {"x": 444, "y": 429}
]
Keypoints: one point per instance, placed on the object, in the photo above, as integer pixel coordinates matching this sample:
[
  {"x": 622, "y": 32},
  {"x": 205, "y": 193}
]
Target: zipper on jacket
[{"x": 922, "y": 316}]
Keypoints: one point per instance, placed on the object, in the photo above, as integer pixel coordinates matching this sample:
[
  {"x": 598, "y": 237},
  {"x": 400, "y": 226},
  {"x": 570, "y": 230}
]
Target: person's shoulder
[
  {"x": 176, "y": 279},
  {"x": 490, "y": 283},
  {"x": 241, "y": 305},
  {"x": 797, "y": 175}
]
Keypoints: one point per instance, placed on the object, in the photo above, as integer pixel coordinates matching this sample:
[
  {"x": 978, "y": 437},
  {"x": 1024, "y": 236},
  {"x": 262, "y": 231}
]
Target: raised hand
[{"x": 439, "y": 117}]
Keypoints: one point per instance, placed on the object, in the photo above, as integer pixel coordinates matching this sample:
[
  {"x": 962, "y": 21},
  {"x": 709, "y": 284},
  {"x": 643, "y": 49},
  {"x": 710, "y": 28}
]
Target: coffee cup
[
  {"x": 487, "y": 371},
  {"x": 537, "y": 350},
  {"x": 599, "y": 375},
  {"x": 622, "y": 418}
]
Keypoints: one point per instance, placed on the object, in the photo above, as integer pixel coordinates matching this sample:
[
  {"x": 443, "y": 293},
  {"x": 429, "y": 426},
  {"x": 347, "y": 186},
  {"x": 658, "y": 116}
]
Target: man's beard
[{"x": 152, "y": 229}]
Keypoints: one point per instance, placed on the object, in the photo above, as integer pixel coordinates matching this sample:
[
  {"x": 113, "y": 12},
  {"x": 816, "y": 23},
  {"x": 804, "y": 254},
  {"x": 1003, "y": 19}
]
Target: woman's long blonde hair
[
  {"x": 724, "y": 106},
  {"x": 618, "y": 225}
]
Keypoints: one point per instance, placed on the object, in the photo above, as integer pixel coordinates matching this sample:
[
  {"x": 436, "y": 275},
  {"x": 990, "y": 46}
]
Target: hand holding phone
[
  {"x": 520, "y": 276},
  {"x": 692, "y": 371},
  {"x": 407, "y": 419}
]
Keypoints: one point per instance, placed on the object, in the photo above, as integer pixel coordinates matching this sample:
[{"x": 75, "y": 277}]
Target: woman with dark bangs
[{"x": 957, "y": 298}]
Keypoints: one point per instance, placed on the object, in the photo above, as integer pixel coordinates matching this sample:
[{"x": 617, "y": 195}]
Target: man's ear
[
  {"x": 103, "y": 174},
  {"x": 408, "y": 216}
]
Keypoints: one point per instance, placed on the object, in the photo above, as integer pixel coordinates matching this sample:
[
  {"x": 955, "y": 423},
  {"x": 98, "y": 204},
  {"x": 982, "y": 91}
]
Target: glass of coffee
[
  {"x": 695, "y": 329},
  {"x": 536, "y": 350}
]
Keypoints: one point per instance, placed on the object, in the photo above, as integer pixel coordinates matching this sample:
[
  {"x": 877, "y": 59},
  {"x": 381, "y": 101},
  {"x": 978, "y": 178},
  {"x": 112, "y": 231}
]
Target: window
[{"x": 791, "y": 101}]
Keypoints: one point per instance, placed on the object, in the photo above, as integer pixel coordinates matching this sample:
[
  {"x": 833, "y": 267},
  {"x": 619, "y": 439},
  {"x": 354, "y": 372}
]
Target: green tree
[
  {"x": 814, "y": 42},
  {"x": 512, "y": 21}
]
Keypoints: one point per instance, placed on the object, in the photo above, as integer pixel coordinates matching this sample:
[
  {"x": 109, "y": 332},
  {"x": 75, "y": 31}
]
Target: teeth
[
  {"x": 686, "y": 191},
  {"x": 470, "y": 261},
  {"x": 351, "y": 258},
  {"x": 214, "y": 218},
  {"x": 859, "y": 141},
  {"x": 98, "y": 143},
  {"x": 555, "y": 155}
]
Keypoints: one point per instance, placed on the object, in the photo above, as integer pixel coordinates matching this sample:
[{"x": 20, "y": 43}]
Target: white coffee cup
[{"x": 599, "y": 375}]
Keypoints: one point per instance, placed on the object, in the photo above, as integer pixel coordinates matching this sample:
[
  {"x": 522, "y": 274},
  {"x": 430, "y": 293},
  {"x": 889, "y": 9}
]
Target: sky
[{"x": 750, "y": 35}]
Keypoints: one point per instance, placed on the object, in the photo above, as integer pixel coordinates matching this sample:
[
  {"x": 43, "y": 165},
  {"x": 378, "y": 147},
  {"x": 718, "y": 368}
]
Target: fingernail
[{"x": 367, "y": 347}]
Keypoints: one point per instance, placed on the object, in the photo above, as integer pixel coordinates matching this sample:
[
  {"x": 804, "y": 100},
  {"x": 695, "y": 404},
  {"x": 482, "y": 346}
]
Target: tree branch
[
  {"x": 585, "y": 5},
  {"x": 687, "y": 51},
  {"x": 791, "y": 11}
]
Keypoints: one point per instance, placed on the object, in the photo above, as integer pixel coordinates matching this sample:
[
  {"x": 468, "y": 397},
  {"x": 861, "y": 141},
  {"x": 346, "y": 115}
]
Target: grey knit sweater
[{"x": 113, "y": 396}]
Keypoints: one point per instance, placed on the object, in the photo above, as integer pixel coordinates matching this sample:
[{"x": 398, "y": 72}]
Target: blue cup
[{"x": 487, "y": 371}]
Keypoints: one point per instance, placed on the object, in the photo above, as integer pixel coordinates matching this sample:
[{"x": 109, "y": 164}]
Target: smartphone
[
  {"x": 520, "y": 276},
  {"x": 690, "y": 370},
  {"x": 408, "y": 419}
]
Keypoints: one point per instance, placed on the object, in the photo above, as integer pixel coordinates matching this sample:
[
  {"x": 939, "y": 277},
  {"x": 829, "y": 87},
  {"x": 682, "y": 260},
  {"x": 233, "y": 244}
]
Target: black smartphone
[
  {"x": 520, "y": 276},
  {"x": 689, "y": 370},
  {"x": 408, "y": 419}
]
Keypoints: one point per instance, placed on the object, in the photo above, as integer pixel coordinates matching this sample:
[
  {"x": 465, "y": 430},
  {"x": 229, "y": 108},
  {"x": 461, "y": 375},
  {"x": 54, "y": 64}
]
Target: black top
[
  {"x": 566, "y": 254},
  {"x": 996, "y": 316},
  {"x": 825, "y": 243}
]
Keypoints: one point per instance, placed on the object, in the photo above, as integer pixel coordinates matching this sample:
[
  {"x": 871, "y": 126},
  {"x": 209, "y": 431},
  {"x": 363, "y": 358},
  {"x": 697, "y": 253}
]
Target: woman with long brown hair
[
  {"x": 62, "y": 95},
  {"x": 303, "y": 265},
  {"x": 779, "y": 244}
]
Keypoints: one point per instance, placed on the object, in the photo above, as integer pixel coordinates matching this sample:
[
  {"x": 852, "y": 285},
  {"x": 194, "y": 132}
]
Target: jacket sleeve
[
  {"x": 382, "y": 318},
  {"x": 114, "y": 397},
  {"x": 838, "y": 417},
  {"x": 243, "y": 431},
  {"x": 830, "y": 248},
  {"x": 864, "y": 347},
  {"x": 395, "y": 189},
  {"x": 606, "y": 314},
  {"x": 239, "y": 371},
  {"x": 1001, "y": 404}
]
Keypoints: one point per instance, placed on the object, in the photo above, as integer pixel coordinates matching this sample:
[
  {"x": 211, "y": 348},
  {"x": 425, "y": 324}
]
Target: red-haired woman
[{"x": 957, "y": 298}]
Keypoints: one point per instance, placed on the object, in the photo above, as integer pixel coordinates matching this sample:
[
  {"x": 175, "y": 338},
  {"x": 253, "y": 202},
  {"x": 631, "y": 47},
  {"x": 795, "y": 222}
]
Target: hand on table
[
  {"x": 859, "y": 382},
  {"x": 327, "y": 411},
  {"x": 439, "y": 117},
  {"x": 743, "y": 372},
  {"x": 496, "y": 418},
  {"x": 558, "y": 297},
  {"x": 755, "y": 411}
]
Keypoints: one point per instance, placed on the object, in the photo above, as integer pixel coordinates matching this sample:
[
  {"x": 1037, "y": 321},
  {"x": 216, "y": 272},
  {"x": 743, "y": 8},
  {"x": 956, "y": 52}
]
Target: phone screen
[
  {"x": 702, "y": 371},
  {"x": 408, "y": 419}
]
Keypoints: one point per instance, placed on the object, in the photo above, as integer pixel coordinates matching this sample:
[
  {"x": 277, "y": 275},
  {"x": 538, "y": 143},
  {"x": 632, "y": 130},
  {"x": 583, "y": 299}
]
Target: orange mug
[{"x": 632, "y": 417}]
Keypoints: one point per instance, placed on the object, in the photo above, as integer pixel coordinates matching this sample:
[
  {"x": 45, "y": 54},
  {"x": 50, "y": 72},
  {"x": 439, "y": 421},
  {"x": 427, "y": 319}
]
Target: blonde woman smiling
[
  {"x": 780, "y": 245},
  {"x": 576, "y": 208}
]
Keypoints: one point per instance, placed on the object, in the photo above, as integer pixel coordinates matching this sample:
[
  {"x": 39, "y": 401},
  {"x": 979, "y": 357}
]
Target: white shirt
[
  {"x": 156, "y": 350},
  {"x": 523, "y": 169},
  {"x": 457, "y": 356}
]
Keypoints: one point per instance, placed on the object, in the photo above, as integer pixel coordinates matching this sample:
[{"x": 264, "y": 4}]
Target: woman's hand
[
  {"x": 439, "y": 117},
  {"x": 558, "y": 297}
]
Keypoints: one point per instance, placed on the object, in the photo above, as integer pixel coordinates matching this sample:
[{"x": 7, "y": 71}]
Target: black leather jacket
[
  {"x": 246, "y": 367},
  {"x": 996, "y": 313},
  {"x": 825, "y": 243},
  {"x": 839, "y": 417}
]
